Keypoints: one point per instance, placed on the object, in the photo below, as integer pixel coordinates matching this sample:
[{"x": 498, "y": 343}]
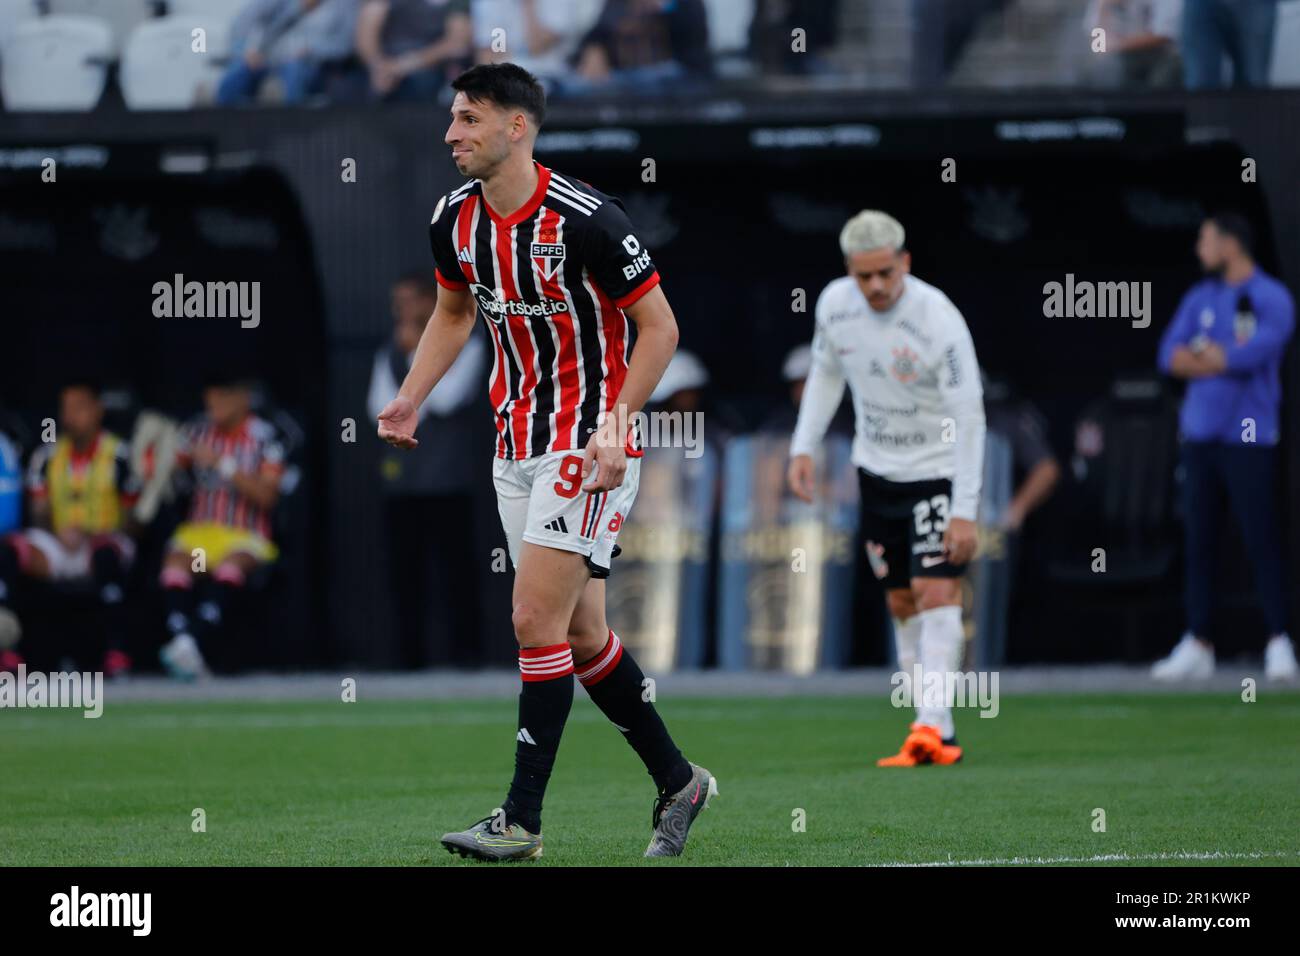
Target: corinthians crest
[{"x": 906, "y": 365}]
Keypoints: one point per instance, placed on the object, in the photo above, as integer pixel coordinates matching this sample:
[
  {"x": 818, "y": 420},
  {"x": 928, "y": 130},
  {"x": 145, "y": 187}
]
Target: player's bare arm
[
  {"x": 1186, "y": 363},
  {"x": 802, "y": 477},
  {"x": 655, "y": 343},
  {"x": 259, "y": 487},
  {"x": 822, "y": 395},
  {"x": 961, "y": 539},
  {"x": 443, "y": 338}
]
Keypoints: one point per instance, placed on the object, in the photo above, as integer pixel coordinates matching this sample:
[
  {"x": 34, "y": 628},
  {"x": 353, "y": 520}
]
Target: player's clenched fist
[
  {"x": 607, "y": 450},
  {"x": 802, "y": 476},
  {"x": 397, "y": 423}
]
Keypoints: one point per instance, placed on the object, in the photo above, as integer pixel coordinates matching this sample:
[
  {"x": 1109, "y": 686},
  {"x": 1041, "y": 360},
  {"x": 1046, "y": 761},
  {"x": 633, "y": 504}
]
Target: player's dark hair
[
  {"x": 84, "y": 382},
  {"x": 506, "y": 85},
  {"x": 1232, "y": 223},
  {"x": 419, "y": 281},
  {"x": 225, "y": 378}
]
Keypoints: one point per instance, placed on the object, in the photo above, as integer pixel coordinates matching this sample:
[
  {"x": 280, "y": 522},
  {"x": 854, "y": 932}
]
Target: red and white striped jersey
[
  {"x": 255, "y": 446},
  {"x": 551, "y": 282}
]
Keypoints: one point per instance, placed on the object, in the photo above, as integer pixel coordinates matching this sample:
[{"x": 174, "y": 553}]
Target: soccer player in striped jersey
[
  {"x": 236, "y": 461},
  {"x": 555, "y": 269},
  {"x": 906, "y": 355}
]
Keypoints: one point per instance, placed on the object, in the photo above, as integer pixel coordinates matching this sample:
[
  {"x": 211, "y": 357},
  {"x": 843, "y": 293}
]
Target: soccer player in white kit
[{"x": 906, "y": 354}]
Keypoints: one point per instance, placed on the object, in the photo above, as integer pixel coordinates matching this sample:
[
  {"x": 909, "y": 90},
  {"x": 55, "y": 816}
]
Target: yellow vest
[{"x": 88, "y": 497}]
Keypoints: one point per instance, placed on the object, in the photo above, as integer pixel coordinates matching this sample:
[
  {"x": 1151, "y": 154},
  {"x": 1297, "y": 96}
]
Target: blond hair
[{"x": 869, "y": 230}]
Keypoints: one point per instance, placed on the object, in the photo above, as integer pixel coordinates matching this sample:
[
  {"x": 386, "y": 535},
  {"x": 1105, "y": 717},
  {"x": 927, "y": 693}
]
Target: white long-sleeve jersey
[{"x": 917, "y": 400}]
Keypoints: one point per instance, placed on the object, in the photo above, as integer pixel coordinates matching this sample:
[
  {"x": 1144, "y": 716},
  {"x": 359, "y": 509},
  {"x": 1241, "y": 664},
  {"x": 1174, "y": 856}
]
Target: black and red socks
[
  {"x": 616, "y": 685},
  {"x": 544, "y": 703}
]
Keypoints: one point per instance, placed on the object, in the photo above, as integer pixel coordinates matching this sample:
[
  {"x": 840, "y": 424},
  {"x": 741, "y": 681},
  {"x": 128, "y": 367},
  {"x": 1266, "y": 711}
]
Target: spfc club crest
[
  {"x": 547, "y": 253},
  {"x": 905, "y": 367}
]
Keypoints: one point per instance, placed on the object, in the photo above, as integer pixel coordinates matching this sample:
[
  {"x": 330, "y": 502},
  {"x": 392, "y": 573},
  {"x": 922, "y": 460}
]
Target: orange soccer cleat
[{"x": 922, "y": 746}]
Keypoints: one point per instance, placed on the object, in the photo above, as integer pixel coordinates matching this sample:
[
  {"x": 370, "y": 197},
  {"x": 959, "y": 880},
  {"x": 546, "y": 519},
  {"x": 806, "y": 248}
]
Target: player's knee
[
  {"x": 230, "y": 574},
  {"x": 532, "y": 626},
  {"x": 586, "y": 642},
  {"x": 901, "y": 604},
  {"x": 176, "y": 576},
  {"x": 928, "y": 593}
]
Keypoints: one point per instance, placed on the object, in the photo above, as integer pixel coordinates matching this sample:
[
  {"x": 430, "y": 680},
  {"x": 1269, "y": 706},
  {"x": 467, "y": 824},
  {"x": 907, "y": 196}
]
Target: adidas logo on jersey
[
  {"x": 557, "y": 526},
  {"x": 524, "y": 737},
  {"x": 464, "y": 256}
]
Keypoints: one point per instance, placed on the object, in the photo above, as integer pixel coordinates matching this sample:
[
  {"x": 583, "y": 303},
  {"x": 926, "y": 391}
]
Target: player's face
[
  {"x": 879, "y": 274},
  {"x": 80, "y": 413},
  {"x": 1210, "y": 248},
  {"x": 226, "y": 406},
  {"x": 479, "y": 136}
]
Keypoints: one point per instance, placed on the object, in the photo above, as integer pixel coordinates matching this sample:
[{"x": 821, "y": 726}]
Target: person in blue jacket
[{"x": 1227, "y": 340}]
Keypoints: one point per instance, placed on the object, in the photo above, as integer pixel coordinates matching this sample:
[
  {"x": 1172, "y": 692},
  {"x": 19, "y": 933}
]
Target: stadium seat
[
  {"x": 56, "y": 63},
  {"x": 1285, "y": 69},
  {"x": 160, "y": 69},
  {"x": 207, "y": 13},
  {"x": 122, "y": 16},
  {"x": 223, "y": 8},
  {"x": 12, "y": 13}
]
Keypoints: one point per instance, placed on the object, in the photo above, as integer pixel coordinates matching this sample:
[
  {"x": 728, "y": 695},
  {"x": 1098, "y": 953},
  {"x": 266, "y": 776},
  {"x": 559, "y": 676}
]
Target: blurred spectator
[
  {"x": 81, "y": 492},
  {"x": 941, "y": 29},
  {"x": 681, "y": 387},
  {"x": 292, "y": 39},
  {"x": 412, "y": 48},
  {"x": 1241, "y": 30},
  {"x": 683, "y": 390},
  {"x": 1141, "y": 41},
  {"x": 1025, "y": 429},
  {"x": 539, "y": 35},
  {"x": 794, "y": 372},
  {"x": 1227, "y": 340},
  {"x": 428, "y": 490},
  {"x": 236, "y": 461},
  {"x": 771, "y": 38},
  {"x": 645, "y": 47}
]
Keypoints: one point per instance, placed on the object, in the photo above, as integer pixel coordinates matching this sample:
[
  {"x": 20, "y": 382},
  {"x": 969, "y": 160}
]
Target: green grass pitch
[{"x": 376, "y": 783}]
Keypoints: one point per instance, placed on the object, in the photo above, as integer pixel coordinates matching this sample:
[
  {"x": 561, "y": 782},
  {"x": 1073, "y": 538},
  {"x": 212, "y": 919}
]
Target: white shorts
[
  {"x": 541, "y": 500},
  {"x": 67, "y": 565}
]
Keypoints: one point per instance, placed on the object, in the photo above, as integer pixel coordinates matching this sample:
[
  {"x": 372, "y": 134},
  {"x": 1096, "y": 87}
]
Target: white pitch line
[{"x": 1102, "y": 858}]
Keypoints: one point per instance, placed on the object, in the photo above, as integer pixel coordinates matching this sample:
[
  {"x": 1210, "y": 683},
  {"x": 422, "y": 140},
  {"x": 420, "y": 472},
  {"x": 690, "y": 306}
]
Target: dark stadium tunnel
[
  {"x": 82, "y": 258},
  {"x": 115, "y": 236}
]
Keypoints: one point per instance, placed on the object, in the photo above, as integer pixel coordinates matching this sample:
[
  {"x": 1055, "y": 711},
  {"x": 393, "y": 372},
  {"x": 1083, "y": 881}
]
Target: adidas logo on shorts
[{"x": 557, "y": 526}]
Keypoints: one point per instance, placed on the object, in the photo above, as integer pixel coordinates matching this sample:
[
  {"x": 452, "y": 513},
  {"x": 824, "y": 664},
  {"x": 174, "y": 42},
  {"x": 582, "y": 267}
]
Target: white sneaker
[
  {"x": 182, "y": 659},
  {"x": 1279, "y": 659},
  {"x": 1189, "y": 660}
]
